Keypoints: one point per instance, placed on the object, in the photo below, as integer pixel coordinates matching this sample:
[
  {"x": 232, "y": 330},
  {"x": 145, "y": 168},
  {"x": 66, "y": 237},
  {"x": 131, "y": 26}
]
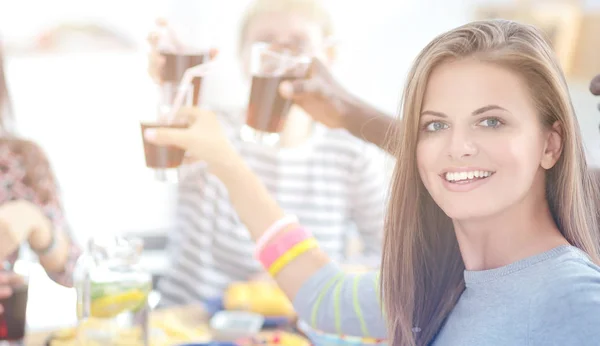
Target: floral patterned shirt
[{"x": 25, "y": 174}]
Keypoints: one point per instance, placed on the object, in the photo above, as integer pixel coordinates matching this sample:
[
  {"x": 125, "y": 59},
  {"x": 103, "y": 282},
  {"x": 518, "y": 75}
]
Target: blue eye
[
  {"x": 491, "y": 122},
  {"x": 435, "y": 126}
]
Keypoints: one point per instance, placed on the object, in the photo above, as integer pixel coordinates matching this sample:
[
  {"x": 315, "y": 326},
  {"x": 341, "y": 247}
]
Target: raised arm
[
  {"x": 329, "y": 103},
  {"x": 308, "y": 273}
]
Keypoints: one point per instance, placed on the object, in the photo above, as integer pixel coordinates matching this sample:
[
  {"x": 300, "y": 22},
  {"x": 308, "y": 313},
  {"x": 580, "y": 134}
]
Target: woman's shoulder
[
  {"x": 26, "y": 169},
  {"x": 23, "y": 155},
  {"x": 572, "y": 282},
  {"x": 566, "y": 309},
  {"x": 22, "y": 149},
  {"x": 573, "y": 270}
]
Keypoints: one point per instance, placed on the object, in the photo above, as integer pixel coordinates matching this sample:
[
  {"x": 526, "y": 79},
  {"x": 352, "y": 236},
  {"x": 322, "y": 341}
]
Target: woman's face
[
  {"x": 482, "y": 147},
  {"x": 291, "y": 31}
]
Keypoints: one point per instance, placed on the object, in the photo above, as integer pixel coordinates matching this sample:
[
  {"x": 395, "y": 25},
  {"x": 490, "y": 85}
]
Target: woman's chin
[{"x": 472, "y": 213}]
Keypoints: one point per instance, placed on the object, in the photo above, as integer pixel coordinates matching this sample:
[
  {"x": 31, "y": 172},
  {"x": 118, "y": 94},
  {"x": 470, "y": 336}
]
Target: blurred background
[{"x": 77, "y": 73}]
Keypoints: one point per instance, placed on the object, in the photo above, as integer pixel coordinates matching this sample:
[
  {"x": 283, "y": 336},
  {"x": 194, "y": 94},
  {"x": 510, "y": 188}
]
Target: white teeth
[{"x": 458, "y": 176}]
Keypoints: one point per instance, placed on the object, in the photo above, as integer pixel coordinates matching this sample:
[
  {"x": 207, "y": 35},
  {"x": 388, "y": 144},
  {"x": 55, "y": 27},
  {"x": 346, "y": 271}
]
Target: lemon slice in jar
[{"x": 112, "y": 305}]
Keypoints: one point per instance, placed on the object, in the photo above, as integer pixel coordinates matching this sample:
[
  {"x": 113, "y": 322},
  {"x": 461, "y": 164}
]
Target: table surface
[{"x": 39, "y": 338}]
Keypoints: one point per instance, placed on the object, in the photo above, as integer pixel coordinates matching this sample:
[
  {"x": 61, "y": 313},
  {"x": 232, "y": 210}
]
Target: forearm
[
  {"x": 323, "y": 295},
  {"x": 55, "y": 260},
  {"x": 258, "y": 211},
  {"x": 371, "y": 125}
]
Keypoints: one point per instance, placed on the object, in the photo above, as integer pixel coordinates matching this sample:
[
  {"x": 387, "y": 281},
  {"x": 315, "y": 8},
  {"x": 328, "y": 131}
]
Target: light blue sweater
[{"x": 549, "y": 299}]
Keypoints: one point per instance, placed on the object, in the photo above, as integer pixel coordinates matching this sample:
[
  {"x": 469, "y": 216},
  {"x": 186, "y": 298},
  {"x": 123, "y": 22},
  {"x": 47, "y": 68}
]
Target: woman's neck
[{"x": 523, "y": 230}]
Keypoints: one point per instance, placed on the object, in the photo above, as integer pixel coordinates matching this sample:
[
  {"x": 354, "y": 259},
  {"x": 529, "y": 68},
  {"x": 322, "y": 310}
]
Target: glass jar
[{"x": 112, "y": 293}]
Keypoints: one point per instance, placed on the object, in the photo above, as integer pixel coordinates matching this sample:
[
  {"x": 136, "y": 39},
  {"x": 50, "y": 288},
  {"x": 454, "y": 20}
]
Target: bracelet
[
  {"x": 281, "y": 245},
  {"x": 266, "y": 237},
  {"x": 292, "y": 254},
  {"x": 49, "y": 248}
]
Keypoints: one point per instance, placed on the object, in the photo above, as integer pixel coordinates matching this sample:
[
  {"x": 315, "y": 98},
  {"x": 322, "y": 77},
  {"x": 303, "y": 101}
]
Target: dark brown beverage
[
  {"x": 159, "y": 156},
  {"x": 175, "y": 66},
  {"x": 267, "y": 110},
  {"x": 12, "y": 320}
]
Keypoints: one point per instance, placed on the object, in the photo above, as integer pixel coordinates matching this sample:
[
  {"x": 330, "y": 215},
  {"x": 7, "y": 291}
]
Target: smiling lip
[{"x": 465, "y": 185}]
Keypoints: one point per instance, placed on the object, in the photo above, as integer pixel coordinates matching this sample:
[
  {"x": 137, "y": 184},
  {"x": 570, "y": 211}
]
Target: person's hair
[
  {"x": 6, "y": 116},
  {"x": 422, "y": 268},
  {"x": 313, "y": 10}
]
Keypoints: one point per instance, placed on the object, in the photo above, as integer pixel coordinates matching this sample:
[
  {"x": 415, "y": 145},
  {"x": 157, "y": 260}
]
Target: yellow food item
[
  {"x": 111, "y": 305},
  {"x": 261, "y": 297},
  {"x": 289, "y": 339},
  {"x": 167, "y": 330},
  {"x": 175, "y": 329}
]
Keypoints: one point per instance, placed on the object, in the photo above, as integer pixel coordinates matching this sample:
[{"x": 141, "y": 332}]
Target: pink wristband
[
  {"x": 273, "y": 230},
  {"x": 282, "y": 245}
]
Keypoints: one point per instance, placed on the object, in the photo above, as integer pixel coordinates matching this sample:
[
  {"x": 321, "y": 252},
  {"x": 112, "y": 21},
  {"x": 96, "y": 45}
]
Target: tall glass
[
  {"x": 174, "y": 68},
  {"x": 112, "y": 293},
  {"x": 267, "y": 110},
  {"x": 164, "y": 161},
  {"x": 13, "y": 319}
]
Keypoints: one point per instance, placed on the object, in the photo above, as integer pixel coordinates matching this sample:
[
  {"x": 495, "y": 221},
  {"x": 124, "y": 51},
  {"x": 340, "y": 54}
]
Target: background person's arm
[
  {"x": 50, "y": 238},
  {"x": 322, "y": 293},
  {"x": 324, "y": 99}
]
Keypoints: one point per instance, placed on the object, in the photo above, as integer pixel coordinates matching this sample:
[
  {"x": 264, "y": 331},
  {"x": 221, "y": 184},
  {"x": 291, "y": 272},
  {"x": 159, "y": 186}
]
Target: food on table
[
  {"x": 261, "y": 297},
  {"x": 110, "y": 299},
  {"x": 166, "y": 330}
]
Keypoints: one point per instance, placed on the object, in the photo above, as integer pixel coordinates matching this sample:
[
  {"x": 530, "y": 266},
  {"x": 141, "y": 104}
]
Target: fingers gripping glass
[
  {"x": 164, "y": 161},
  {"x": 267, "y": 110}
]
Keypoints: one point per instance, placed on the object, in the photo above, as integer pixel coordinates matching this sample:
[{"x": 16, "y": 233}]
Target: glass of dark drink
[
  {"x": 13, "y": 319},
  {"x": 165, "y": 161},
  {"x": 267, "y": 110},
  {"x": 174, "y": 68}
]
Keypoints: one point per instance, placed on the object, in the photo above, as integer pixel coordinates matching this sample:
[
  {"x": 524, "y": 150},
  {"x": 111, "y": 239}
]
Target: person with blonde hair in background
[
  {"x": 491, "y": 235},
  {"x": 327, "y": 178}
]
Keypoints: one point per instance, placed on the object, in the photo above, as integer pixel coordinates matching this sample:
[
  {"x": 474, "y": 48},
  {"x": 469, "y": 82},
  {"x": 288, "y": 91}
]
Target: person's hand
[
  {"x": 203, "y": 140},
  {"x": 321, "y": 96},
  {"x": 7, "y": 281},
  {"x": 164, "y": 35},
  {"x": 17, "y": 221}
]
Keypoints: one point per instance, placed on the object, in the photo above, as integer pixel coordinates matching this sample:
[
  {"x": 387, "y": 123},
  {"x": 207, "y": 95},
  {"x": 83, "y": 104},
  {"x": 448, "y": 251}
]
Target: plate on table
[{"x": 215, "y": 305}]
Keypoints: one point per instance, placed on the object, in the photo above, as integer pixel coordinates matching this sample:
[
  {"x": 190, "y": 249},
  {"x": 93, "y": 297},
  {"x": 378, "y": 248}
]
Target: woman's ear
[{"x": 554, "y": 146}]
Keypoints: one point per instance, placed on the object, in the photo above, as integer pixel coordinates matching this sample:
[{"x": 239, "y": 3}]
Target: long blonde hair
[{"x": 422, "y": 269}]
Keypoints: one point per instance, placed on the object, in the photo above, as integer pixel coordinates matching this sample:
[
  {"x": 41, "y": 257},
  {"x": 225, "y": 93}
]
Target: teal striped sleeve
[{"x": 335, "y": 302}]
